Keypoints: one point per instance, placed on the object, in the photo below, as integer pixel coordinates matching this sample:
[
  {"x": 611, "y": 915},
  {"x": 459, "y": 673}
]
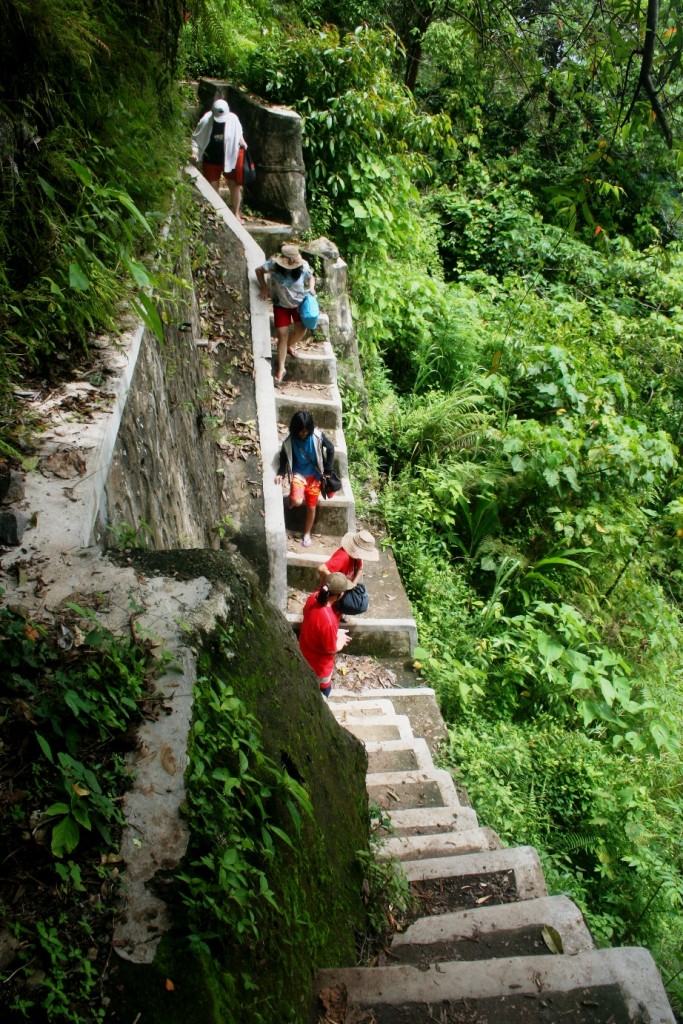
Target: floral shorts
[{"x": 307, "y": 488}]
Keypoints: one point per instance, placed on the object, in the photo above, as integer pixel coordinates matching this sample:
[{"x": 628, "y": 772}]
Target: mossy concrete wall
[
  {"x": 162, "y": 480},
  {"x": 317, "y": 883},
  {"x": 164, "y": 471}
]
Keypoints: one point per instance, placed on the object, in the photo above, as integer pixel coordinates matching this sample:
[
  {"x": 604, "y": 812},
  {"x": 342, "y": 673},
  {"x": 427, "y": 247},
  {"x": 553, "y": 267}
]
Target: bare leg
[
  {"x": 235, "y": 197},
  {"x": 282, "y": 343},
  {"x": 310, "y": 519},
  {"x": 297, "y": 335}
]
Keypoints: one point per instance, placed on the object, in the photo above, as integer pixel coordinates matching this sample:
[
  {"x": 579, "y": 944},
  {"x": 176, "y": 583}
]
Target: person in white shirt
[{"x": 216, "y": 142}]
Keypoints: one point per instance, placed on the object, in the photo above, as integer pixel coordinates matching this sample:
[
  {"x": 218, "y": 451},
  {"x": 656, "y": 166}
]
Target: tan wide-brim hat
[
  {"x": 288, "y": 257},
  {"x": 360, "y": 545},
  {"x": 338, "y": 583}
]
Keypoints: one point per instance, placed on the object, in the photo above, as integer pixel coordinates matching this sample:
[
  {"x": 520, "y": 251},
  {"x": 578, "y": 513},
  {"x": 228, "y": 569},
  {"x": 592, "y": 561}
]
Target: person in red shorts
[
  {"x": 320, "y": 637},
  {"x": 348, "y": 558},
  {"x": 290, "y": 278},
  {"x": 307, "y": 455},
  {"x": 216, "y": 141}
]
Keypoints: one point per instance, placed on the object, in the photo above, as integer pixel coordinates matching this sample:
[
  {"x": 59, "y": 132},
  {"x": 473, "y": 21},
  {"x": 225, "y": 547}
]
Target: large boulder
[{"x": 274, "y": 137}]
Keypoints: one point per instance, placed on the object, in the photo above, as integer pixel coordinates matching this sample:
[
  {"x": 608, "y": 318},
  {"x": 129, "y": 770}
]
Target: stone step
[
  {"x": 422, "y": 821},
  {"x": 444, "y": 844},
  {"x": 388, "y": 638},
  {"x": 495, "y": 876},
  {"x": 411, "y": 790},
  {"x": 482, "y": 933},
  {"x": 606, "y": 986},
  {"x": 360, "y": 709},
  {"x": 388, "y": 599},
  {"x": 321, "y": 400},
  {"x": 314, "y": 366},
  {"x": 334, "y": 516},
  {"x": 321, "y": 331},
  {"x": 379, "y": 728},
  {"x": 397, "y": 755},
  {"x": 269, "y": 234},
  {"x": 418, "y": 702}
]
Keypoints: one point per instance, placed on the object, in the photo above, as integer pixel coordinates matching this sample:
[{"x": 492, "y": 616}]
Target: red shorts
[
  {"x": 212, "y": 172},
  {"x": 284, "y": 317},
  {"x": 307, "y": 488}
]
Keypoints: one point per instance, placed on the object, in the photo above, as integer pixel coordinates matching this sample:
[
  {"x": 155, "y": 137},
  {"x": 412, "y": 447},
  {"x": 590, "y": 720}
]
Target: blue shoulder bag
[{"x": 309, "y": 311}]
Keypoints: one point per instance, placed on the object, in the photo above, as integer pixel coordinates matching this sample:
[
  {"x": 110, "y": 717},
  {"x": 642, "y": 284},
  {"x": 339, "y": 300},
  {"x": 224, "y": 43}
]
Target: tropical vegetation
[{"x": 505, "y": 182}]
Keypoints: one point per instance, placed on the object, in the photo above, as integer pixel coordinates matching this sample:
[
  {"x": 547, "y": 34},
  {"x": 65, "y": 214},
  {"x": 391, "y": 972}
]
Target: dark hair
[
  {"x": 323, "y": 595},
  {"x": 295, "y": 272},
  {"x": 301, "y": 420}
]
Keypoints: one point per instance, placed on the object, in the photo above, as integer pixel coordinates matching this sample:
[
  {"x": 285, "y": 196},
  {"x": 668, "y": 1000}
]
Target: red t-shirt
[
  {"x": 341, "y": 561},
  {"x": 318, "y": 637}
]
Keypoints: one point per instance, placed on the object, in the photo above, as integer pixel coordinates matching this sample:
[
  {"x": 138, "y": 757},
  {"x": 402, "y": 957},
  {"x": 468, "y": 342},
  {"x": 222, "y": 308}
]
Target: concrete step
[
  {"x": 418, "y": 702},
  {"x": 606, "y": 986},
  {"x": 315, "y": 362},
  {"x": 494, "y": 876},
  {"x": 361, "y": 709},
  {"x": 397, "y": 755},
  {"x": 388, "y": 599},
  {"x": 388, "y": 638},
  {"x": 402, "y": 791},
  {"x": 321, "y": 400},
  {"x": 444, "y": 844},
  {"x": 422, "y": 821},
  {"x": 482, "y": 933},
  {"x": 321, "y": 331},
  {"x": 379, "y": 728},
  {"x": 269, "y": 234},
  {"x": 334, "y": 516}
]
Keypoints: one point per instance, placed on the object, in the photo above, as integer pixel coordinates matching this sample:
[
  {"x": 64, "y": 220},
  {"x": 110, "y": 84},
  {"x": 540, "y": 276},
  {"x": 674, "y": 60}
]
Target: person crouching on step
[
  {"x": 320, "y": 637},
  {"x": 308, "y": 455},
  {"x": 348, "y": 558}
]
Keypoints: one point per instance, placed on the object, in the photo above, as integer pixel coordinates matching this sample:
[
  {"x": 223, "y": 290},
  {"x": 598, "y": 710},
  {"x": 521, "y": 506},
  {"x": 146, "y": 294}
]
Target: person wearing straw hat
[
  {"x": 290, "y": 278},
  {"x": 348, "y": 559},
  {"x": 320, "y": 637},
  {"x": 217, "y": 140}
]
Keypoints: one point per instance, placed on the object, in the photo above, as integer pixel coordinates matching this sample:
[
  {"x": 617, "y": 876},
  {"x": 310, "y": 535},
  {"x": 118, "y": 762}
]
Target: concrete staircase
[
  {"x": 388, "y": 629},
  {"x": 489, "y": 945}
]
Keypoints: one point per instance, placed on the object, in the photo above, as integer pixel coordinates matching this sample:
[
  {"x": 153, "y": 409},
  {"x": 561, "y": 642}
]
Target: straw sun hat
[
  {"x": 288, "y": 257},
  {"x": 360, "y": 545}
]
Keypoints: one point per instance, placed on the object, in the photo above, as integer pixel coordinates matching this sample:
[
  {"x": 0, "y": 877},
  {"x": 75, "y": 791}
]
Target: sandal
[
  {"x": 280, "y": 380},
  {"x": 306, "y": 541},
  {"x": 293, "y": 352}
]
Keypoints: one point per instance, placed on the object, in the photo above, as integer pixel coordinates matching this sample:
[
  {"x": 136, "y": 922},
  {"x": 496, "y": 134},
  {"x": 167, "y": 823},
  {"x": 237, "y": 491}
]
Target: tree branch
[{"x": 645, "y": 81}]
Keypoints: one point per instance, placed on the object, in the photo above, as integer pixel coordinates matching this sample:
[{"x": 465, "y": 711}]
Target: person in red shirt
[
  {"x": 348, "y": 559},
  {"x": 320, "y": 637}
]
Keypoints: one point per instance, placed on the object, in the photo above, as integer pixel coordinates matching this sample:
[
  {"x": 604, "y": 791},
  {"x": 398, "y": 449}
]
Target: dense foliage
[
  {"x": 505, "y": 182},
  {"x": 70, "y": 694},
  {"x": 513, "y": 228},
  {"x": 88, "y": 159}
]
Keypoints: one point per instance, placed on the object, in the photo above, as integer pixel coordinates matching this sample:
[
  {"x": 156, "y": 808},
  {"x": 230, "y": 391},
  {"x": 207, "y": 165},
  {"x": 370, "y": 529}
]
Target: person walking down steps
[
  {"x": 348, "y": 559},
  {"x": 307, "y": 455},
  {"x": 290, "y": 277},
  {"x": 216, "y": 142},
  {"x": 320, "y": 637}
]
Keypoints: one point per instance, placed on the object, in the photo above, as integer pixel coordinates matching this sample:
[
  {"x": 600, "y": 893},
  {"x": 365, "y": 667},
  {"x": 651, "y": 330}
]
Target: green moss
[{"x": 315, "y": 883}]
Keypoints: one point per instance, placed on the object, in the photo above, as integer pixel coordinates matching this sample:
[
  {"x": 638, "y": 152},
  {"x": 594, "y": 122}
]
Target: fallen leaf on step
[
  {"x": 393, "y": 794},
  {"x": 552, "y": 939}
]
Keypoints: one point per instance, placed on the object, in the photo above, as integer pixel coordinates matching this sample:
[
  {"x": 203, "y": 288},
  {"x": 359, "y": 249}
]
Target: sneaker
[{"x": 306, "y": 540}]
